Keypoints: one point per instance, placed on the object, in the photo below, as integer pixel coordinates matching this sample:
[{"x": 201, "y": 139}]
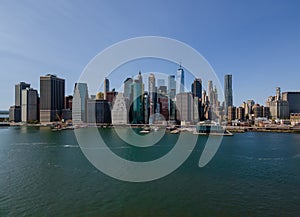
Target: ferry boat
[{"x": 211, "y": 129}]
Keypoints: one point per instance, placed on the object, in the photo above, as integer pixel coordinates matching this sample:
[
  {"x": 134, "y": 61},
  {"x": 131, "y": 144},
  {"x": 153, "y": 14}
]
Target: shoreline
[{"x": 232, "y": 129}]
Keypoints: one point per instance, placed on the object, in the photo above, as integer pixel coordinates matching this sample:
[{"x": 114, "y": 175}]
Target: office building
[
  {"x": 171, "y": 86},
  {"x": 152, "y": 93},
  {"x": 180, "y": 80},
  {"x": 163, "y": 102},
  {"x": 120, "y": 111},
  {"x": 68, "y": 102},
  {"x": 18, "y": 92},
  {"x": 127, "y": 88},
  {"x": 228, "y": 92},
  {"x": 279, "y": 109},
  {"x": 185, "y": 107},
  {"x": 15, "y": 113},
  {"x": 294, "y": 101},
  {"x": 240, "y": 113},
  {"x": 106, "y": 87},
  {"x": 52, "y": 94},
  {"x": 79, "y": 105},
  {"x": 210, "y": 92},
  {"x": 231, "y": 113},
  {"x": 98, "y": 112},
  {"x": 137, "y": 104},
  {"x": 196, "y": 88},
  {"x": 29, "y": 108}
]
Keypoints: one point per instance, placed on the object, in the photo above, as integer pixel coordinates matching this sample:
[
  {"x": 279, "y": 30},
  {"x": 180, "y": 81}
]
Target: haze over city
[{"x": 257, "y": 42}]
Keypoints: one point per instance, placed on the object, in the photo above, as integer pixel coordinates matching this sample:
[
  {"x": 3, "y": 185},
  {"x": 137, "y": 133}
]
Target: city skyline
[{"x": 256, "y": 41}]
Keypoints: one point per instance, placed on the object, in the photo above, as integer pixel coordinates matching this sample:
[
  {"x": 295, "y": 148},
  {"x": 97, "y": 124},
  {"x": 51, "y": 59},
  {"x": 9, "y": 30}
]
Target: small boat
[
  {"x": 144, "y": 131},
  {"x": 174, "y": 131}
]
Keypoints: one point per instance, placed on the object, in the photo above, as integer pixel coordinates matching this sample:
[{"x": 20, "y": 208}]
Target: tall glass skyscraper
[
  {"x": 79, "y": 110},
  {"x": 138, "y": 114},
  {"x": 171, "y": 86},
  {"x": 228, "y": 92},
  {"x": 180, "y": 80},
  {"x": 106, "y": 87}
]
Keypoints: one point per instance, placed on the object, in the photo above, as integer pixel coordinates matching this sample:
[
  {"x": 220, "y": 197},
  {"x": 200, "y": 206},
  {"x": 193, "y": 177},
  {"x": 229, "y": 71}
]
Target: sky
[{"x": 258, "y": 42}]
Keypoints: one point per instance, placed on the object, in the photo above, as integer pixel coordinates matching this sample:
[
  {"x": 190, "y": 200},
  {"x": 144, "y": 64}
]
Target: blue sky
[{"x": 256, "y": 41}]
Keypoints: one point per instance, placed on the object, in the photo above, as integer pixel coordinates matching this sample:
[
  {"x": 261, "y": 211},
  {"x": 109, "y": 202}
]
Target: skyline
[{"x": 256, "y": 42}]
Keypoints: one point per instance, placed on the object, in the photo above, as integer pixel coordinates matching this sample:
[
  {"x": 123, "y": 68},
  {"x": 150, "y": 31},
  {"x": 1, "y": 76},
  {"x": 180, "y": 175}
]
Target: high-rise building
[
  {"x": 196, "y": 88},
  {"x": 228, "y": 92},
  {"x": 279, "y": 109},
  {"x": 294, "y": 101},
  {"x": 52, "y": 94},
  {"x": 79, "y": 105},
  {"x": 210, "y": 92},
  {"x": 231, "y": 113},
  {"x": 68, "y": 102},
  {"x": 163, "y": 102},
  {"x": 15, "y": 113},
  {"x": 138, "y": 107},
  {"x": 29, "y": 111},
  {"x": 240, "y": 113},
  {"x": 18, "y": 92},
  {"x": 152, "y": 93},
  {"x": 127, "y": 87},
  {"x": 98, "y": 112},
  {"x": 180, "y": 80},
  {"x": 171, "y": 86},
  {"x": 185, "y": 107},
  {"x": 106, "y": 87},
  {"x": 120, "y": 112},
  {"x": 16, "y": 110}
]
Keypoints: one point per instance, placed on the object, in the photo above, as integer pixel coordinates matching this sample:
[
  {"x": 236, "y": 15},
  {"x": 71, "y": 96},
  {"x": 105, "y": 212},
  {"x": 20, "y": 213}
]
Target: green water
[{"x": 44, "y": 173}]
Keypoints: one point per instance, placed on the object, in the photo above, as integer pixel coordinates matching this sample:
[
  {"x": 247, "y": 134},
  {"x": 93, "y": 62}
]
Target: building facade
[
  {"x": 29, "y": 108},
  {"x": 184, "y": 107},
  {"x": 120, "y": 111},
  {"x": 228, "y": 92},
  {"x": 79, "y": 105},
  {"x": 180, "y": 80},
  {"x": 294, "y": 101},
  {"x": 52, "y": 94},
  {"x": 98, "y": 112}
]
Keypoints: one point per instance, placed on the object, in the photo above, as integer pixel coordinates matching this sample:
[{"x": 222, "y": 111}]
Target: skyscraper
[
  {"x": 180, "y": 80},
  {"x": 29, "y": 105},
  {"x": 119, "y": 112},
  {"x": 152, "y": 93},
  {"x": 171, "y": 86},
  {"x": 18, "y": 92},
  {"x": 185, "y": 107},
  {"x": 138, "y": 114},
  {"x": 210, "y": 92},
  {"x": 228, "y": 92},
  {"x": 106, "y": 87},
  {"x": 127, "y": 87},
  {"x": 196, "y": 88},
  {"x": 79, "y": 106},
  {"x": 294, "y": 101},
  {"x": 52, "y": 94}
]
